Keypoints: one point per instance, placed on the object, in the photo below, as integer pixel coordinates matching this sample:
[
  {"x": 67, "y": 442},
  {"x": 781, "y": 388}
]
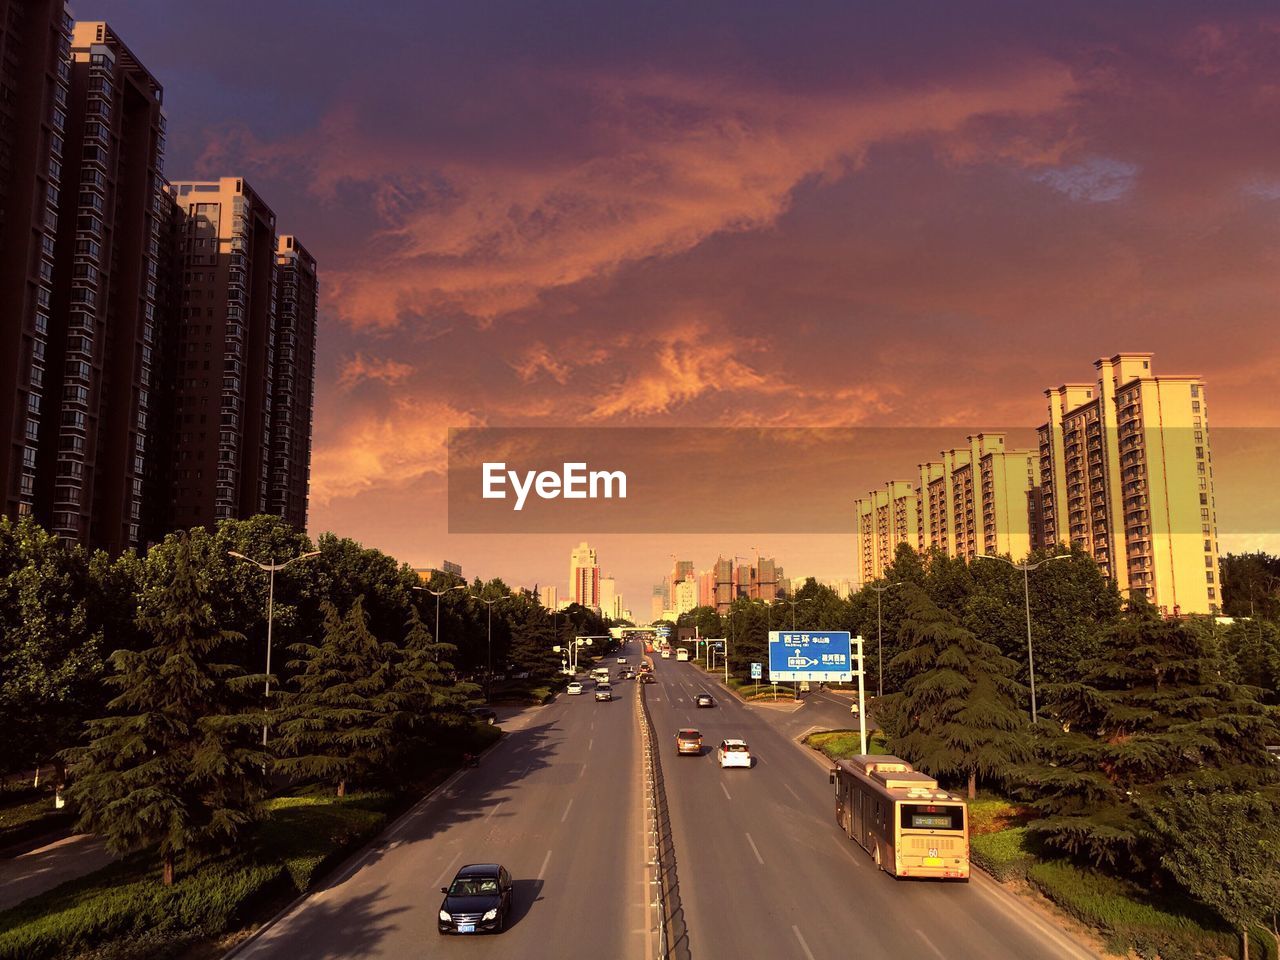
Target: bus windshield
[{"x": 932, "y": 816}]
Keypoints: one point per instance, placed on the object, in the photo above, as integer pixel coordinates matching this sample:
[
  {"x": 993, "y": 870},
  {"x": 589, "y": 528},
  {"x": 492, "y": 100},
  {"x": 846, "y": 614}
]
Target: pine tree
[
  {"x": 340, "y": 715},
  {"x": 532, "y": 640},
  {"x": 176, "y": 762},
  {"x": 1150, "y": 714},
  {"x": 958, "y": 712},
  {"x": 430, "y": 695}
]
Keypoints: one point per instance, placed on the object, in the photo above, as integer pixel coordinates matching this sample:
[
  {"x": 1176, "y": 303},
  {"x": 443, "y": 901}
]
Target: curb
[{"x": 338, "y": 870}]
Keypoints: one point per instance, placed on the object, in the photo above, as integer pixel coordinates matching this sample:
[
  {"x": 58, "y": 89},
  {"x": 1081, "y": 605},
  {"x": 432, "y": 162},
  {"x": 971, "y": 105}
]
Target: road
[
  {"x": 557, "y": 801},
  {"x": 764, "y": 870}
]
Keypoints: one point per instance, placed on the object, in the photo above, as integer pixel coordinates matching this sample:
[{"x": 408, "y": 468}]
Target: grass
[
  {"x": 1132, "y": 919},
  {"x": 1003, "y": 854},
  {"x": 308, "y": 833},
  {"x": 842, "y": 744},
  {"x": 992, "y": 814},
  {"x": 28, "y": 813}
]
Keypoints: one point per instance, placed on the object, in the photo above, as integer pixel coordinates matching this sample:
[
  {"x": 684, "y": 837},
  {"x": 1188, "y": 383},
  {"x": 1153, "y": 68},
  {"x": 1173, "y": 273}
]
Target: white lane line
[
  {"x": 567, "y": 806},
  {"x": 803, "y": 946},
  {"x": 929, "y": 944},
  {"x": 494, "y": 809},
  {"x": 755, "y": 849},
  {"x": 726, "y": 792},
  {"x": 591, "y": 743},
  {"x": 543, "y": 869},
  {"x": 792, "y": 792},
  {"x": 448, "y": 870}
]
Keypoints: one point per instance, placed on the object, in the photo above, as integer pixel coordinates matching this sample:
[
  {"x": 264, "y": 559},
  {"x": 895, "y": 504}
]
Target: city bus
[{"x": 909, "y": 826}]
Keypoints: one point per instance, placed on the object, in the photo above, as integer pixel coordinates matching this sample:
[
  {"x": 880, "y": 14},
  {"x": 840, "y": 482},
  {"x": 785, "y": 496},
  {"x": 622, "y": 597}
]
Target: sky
[{"x": 731, "y": 213}]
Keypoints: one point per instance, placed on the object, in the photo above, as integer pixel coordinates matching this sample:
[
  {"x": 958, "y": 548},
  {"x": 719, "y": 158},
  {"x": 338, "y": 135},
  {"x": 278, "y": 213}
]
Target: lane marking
[
  {"x": 792, "y": 792},
  {"x": 567, "y": 806},
  {"x": 444, "y": 880},
  {"x": 543, "y": 869},
  {"x": 755, "y": 849},
  {"x": 803, "y": 946},
  {"x": 929, "y": 944},
  {"x": 494, "y": 809},
  {"x": 591, "y": 743},
  {"x": 726, "y": 792}
]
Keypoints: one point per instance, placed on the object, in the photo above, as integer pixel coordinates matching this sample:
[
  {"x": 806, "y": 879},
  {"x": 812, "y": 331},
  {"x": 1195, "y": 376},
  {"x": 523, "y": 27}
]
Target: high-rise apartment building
[
  {"x": 292, "y": 381},
  {"x": 610, "y": 600},
  {"x": 96, "y": 427},
  {"x": 882, "y": 520},
  {"x": 225, "y": 351},
  {"x": 1127, "y": 476},
  {"x": 584, "y": 576},
  {"x": 35, "y": 84}
]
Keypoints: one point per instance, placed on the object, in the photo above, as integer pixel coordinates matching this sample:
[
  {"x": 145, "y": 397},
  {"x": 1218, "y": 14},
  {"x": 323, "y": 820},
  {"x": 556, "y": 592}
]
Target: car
[
  {"x": 520, "y": 675},
  {"x": 666, "y": 654},
  {"x": 573, "y": 689},
  {"x": 704, "y": 700},
  {"x": 689, "y": 741},
  {"x": 734, "y": 753},
  {"x": 484, "y": 715},
  {"x": 648, "y": 678},
  {"x": 604, "y": 691},
  {"x": 622, "y": 675},
  {"x": 622, "y": 659},
  {"x": 477, "y": 901}
]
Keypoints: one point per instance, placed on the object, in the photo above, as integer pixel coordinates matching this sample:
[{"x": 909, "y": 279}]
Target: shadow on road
[
  {"x": 523, "y": 897},
  {"x": 336, "y": 931}
]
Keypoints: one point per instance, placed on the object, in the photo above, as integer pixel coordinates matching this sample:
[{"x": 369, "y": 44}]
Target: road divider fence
[{"x": 671, "y": 941}]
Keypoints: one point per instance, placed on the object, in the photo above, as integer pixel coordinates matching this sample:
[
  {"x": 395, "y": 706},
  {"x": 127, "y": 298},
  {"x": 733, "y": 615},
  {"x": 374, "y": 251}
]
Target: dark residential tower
[
  {"x": 35, "y": 39},
  {"x": 297, "y": 292}
]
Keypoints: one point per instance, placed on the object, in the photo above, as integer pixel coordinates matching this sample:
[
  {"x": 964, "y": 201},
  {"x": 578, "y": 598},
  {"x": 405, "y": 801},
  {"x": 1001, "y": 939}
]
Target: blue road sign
[
  {"x": 810, "y": 655},
  {"x": 757, "y": 671}
]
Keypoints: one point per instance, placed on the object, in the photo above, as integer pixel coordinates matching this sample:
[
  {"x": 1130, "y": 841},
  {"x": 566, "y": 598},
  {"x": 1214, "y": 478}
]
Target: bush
[
  {"x": 992, "y": 814},
  {"x": 1003, "y": 854},
  {"x": 309, "y": 833},
  {"x": 127, "y": 901},
  {"x": 842, "y": 744},
  {"x": 28, "y": 814},
  {"x": 1130, "y": 918}
]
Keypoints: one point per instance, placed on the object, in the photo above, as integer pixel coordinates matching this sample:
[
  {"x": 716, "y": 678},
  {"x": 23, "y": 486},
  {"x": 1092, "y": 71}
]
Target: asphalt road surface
[
  {"x": 557, "y": 802},
  {"x": 764, "y": 870}
]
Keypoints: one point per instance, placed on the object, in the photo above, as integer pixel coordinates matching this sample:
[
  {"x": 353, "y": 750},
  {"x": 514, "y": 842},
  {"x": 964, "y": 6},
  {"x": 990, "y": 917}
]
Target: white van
[{"x": 682, "y": 654}]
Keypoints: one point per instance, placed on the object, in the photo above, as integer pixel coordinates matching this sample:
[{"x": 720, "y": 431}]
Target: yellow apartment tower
[{"x": 1126, "y": 474}]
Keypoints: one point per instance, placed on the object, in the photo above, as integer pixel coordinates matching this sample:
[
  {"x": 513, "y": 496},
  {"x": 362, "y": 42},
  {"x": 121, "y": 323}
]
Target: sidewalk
[{"x": 45, "y": 867}]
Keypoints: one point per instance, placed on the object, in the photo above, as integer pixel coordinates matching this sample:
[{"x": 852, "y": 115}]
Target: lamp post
[
  {"x": 795, "y": 687},
  {"x": 488, "y": 677},
  {"x": 1026, "y": 569},
  {"x": 880, "y": 637},
  {"x": 438, "y": 594},
  {"x": 270, "y": 569}
]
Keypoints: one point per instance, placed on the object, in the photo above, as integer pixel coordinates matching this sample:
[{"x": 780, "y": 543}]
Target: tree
[
  {"x": 1150, "y": 713},
  {"x": 532, "y": 638},
  {"x": 1251, "y": 585},
  {"x": 51, "y": 650},
  {"x": 342, "y": 708},
  {"x": 959, "y": 711},
  {"x": 1223, "y": 849},
  {"x": 175, "y": 762}
]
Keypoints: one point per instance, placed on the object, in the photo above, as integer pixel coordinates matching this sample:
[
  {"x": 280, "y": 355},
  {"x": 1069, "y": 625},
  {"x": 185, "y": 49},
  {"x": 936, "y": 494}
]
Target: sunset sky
[{"x": 732, "y": 213}]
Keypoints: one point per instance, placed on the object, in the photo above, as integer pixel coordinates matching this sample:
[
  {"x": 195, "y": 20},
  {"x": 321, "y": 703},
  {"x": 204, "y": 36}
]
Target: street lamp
[
  {"x": 1026, "y": 569},
  {"x": 438, "y": 594},
  {"x": 793, "y": 608},
  {"x": 879, "y": 636},
  {"x": 488, "y": 679},
  {"x": 270, "y": 569}
]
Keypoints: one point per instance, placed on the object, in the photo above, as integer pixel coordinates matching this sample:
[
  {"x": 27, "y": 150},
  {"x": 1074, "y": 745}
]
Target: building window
[{"x": 1208, "y": 576}]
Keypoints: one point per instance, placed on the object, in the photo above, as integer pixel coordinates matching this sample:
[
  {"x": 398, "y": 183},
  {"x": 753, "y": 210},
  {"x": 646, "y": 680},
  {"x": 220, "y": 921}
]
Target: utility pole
[
  {"x": 880, "y": 636},
  {"x": 271, "y": 569},
  {"x": 438, "y": 594},
  {"x": 1026, "y": 569}
]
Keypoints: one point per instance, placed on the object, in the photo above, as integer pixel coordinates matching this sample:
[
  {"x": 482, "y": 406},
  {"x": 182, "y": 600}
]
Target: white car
[
  {"x": 622, "y": 659},
  {"x": 573, "y": 689},
  {"x": 734, "y": 753}
]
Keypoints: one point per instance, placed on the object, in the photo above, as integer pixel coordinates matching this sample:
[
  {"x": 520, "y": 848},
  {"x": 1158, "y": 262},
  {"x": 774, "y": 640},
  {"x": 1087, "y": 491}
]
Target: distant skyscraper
[
  {"x": 292, "y": 382},
  {"x": 584, "y": 576},
  {"x": 549, "y": 597},
  {"x": 610, "y": 599}
]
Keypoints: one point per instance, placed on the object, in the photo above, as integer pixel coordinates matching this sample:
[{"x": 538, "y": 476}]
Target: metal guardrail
[{"x": 671, "y": 941}]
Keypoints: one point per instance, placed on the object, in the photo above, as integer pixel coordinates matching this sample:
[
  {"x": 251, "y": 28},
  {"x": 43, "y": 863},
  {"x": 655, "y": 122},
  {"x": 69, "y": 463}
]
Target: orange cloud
[
  {"x": 360, "y": 368},
  {"x": 676, "y": 160},
  {"x": 384, "y": 450}
]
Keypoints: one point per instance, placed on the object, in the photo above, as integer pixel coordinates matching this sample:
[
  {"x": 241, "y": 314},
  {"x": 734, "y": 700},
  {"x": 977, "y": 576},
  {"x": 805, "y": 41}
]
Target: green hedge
[
  {"x": 1003, "y": 854},
  {"x": 842, "y": 744},
  {"x": 310, "y": 833},
  {"x": 127, "y": 902},
  {"x": 28, "y": 814},
  {"x": 1129, "y": 918}
]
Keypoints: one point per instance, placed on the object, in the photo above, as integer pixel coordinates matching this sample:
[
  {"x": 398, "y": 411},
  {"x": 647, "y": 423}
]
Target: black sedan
[
  {"x": 484, "y": 714},
  {"x": 704, "y": 700},
  {"x": 478, "y": 900}
]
